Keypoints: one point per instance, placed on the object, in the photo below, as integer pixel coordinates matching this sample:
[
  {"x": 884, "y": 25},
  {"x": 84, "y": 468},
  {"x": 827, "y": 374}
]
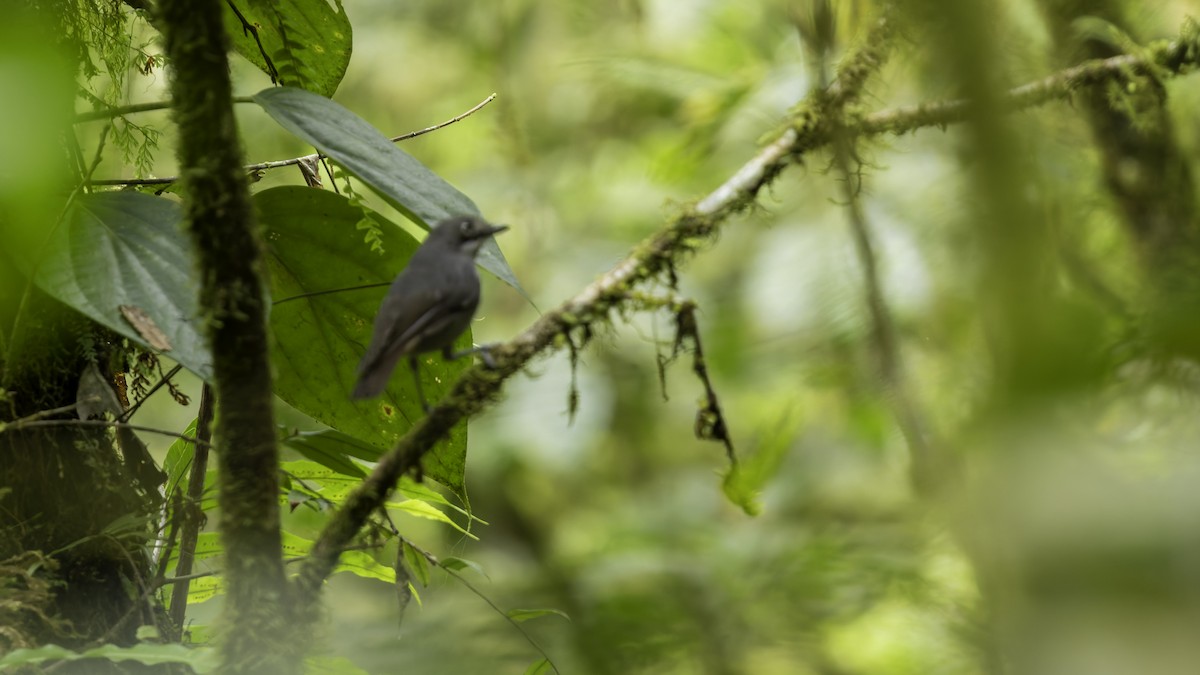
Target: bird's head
[{"x": 464, "y": 233}]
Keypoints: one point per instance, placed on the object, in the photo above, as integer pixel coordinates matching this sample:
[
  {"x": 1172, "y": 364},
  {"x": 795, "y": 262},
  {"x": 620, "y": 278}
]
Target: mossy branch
[
  {"x": 1169, "y": 57},
  {"x": 657, "y": 257},
  {"x": 653, "y": 260},
  {"x": 219, "y": 218}
]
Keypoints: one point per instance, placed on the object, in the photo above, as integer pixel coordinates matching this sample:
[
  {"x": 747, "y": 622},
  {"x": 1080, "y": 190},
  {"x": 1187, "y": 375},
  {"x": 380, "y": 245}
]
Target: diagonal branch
[
  {"x": 652, "y": 260},
  {"x": 1175, "y": 57},
  {"x": 657, "y": 257}
]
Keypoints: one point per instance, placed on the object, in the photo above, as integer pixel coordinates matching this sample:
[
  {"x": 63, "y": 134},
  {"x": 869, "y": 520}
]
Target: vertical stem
[
  {"x": 233, "y": 302},
  {"x": 191, "y": 507},
  {"x": 927, "y": 468}
]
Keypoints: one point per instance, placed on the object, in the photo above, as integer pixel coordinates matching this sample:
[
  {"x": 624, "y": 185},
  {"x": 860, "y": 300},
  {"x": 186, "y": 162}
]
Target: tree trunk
[{"x": 233, "y": 301}]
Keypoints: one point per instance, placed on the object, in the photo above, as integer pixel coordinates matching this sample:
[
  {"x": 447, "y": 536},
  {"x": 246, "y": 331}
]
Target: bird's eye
[{"x": 465, "y": 227}]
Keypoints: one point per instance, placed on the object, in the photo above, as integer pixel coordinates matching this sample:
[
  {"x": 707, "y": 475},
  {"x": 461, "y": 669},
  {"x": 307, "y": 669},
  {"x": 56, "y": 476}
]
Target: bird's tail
[{"x": 372, "y": 380}]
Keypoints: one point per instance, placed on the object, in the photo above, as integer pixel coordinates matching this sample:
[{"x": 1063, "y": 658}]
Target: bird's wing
[
  {"x": 434, "y": 316},
  {"x": 395, "y": 322},
  {"x": 420, "y": 314}
]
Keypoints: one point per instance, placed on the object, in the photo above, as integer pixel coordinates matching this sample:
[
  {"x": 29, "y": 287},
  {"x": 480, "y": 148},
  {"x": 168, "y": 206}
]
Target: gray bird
[{"x": 431, "y": 303}]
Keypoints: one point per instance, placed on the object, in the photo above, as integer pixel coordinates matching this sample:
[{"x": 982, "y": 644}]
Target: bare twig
[
  {"x": 109, "y": 113},
  {"x": 43, "y": 414},
  {"x": 276, "y": 164},
  {"x": 125, "y": 416},
  {"x": 134, "y": 181},
  {"x": 1173, "y": 57},
  {"x": 14, "y": 426},
  {"x": 452, "y": 120},
  {"x": 329, "y": 292},
  {"x": 433, "y": 560},
  {"x": 121, "y": 111}
]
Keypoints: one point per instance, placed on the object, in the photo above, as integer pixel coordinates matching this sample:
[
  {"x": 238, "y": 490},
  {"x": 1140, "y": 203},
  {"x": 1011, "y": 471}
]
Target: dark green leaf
[
  {"x": 458, "y": 564},
  {"x": 363, "y": 564},
  {"x": 179, "y": 459},
  {"x": 416, "y": 563},
  {"x": 420, "y": 509},
  {"x": 318, "y": 339},
  {"x": 308, "y": 41},
  {"x": 332, "y": 449},
  {"x": 331, "y": 484},
  {"x": 128, "y": 249},
  {"x": 370, "y": 156}
]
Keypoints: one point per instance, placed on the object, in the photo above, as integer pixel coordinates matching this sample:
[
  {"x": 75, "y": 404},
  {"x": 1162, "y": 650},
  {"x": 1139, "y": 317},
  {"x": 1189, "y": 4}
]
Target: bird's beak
[{"x": 495, "y": 229}]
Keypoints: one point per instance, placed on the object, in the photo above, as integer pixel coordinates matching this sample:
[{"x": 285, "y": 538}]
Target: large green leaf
[
  {"x": 396, "y": 175},
  {"x": 333, "y": 449},
  {"x": 126, "y": 249},
  {"x": 308, "y": 41},
  {"x": 314, "y": 247}
]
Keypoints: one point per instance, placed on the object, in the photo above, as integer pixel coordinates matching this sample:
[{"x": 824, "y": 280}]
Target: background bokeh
[{"x": 1078, "y": 507}]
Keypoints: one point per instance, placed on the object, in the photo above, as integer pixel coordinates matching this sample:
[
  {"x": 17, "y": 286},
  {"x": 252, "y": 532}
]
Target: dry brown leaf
[{"x": 145, "y": 327}]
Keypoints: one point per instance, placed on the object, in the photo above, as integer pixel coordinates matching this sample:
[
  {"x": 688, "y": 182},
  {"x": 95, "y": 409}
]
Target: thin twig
[
  {"x": 170, "y": 524},
  {"x": 110, "y": 113},
  {"x": 43, "y": 414},
  {"x": 134, "y": 181},
  {"x": 121, "y": 111},
  {"x": 329, "y": 173},
  {"x": 276, "y": 164},
  {"x": 314, "y": 294},
  {"x": 433, "y": 560},
  {"x": 452, "y": 120},
  {"x": 509, "y": 619},
  {"x": 13, "y": 426},
  {"x": 125, "y": 416}
]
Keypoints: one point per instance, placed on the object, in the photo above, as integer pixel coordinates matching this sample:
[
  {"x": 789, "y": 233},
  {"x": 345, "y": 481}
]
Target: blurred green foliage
[
  {"x": 606, "y": 117},
  {"x": 1045, "y": 339}
]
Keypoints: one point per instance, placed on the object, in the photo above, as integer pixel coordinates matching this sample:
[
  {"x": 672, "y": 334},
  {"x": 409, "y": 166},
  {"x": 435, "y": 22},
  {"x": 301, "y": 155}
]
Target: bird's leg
[
  {"x": 484, "y": 352},
  {"x": 416, "y": 370}
]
